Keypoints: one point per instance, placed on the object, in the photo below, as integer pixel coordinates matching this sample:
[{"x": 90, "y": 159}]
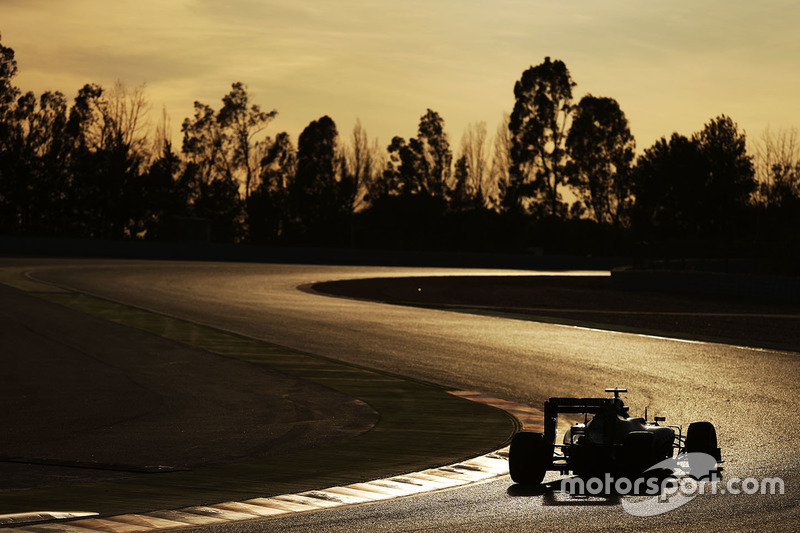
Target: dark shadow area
[
  {"x": 553, "y": 496},
  {"x": 518, "y": 490},
  {"x": 573, "y": 491},
  {"x": 550, "y": 500},
  {"x": 592, "y": 301},
  {"x": 118, "y": 386},
  {"x": 207, "y": 251},
  {"x": 87, "y": 400}
]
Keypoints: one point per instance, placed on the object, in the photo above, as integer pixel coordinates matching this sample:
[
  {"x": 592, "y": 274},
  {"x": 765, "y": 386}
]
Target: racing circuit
[{"x": 749, "y": 394}]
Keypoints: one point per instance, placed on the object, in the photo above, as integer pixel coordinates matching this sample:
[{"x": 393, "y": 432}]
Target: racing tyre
[
  {"x": 702, "y": 437},
  {"x": 529, "y": 457}
]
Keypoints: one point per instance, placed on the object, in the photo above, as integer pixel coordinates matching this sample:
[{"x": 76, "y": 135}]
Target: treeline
[{"x": 559, "y": 174}]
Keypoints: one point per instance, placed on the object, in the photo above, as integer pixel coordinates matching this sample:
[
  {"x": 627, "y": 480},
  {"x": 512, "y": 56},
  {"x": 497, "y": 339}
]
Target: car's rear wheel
[
  {"x": 701, "y": 437},
  {"x": 529, "y": 457}
]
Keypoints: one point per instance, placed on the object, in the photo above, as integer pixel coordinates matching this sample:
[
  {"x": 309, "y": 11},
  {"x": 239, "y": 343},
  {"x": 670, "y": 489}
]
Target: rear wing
[{"x": 589, "y": 406}]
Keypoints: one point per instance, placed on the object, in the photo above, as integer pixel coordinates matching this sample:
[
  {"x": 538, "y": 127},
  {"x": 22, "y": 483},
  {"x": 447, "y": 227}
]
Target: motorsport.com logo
[{"x": 672, "y": 483}]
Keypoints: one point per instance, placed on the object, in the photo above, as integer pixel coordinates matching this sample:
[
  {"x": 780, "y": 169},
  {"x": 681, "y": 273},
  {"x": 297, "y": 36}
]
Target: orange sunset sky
[{"x": 672, "y": 65}]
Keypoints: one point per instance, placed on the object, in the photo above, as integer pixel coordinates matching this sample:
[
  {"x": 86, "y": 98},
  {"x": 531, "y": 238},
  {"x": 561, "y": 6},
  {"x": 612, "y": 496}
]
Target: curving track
[{"x": 749, "y": 394}]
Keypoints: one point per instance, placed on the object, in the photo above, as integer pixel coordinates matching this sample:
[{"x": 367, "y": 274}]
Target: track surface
[
  {"x": 590, "y": 299},
  {"x": 87, "y": 399},
  {"x": 749, "y": 394}
]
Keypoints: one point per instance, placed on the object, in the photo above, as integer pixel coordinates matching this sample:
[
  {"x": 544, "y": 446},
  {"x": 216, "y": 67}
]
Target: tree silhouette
[
  {"x": 241, "y": 123},
  {"x": 220, "y": 149},
  {"x": 269, "y": 210},
  {"x": 729, "y": 176},
  {"x": 124, "y": 154},
  {"x": 695, "y": 188},
  {"x": 41, "y": 176},
  {"x": 472, "y": 168},
  {"x": 420, "y": 166},
  {"x": 405, "y": 169},
  {"x": 538, "y": 126},
  {"x": 361, "y": 161},
  {"x": 91, "y": 170},
  {"x": 164, "y": 195},
  {"x": 279, "y": 164},
  {"x": 203, "y": 145},
  {"x": 99, "y": 166},
  {"x": 501, "y": 161},
  {"x": 318, "y": 197},
  {"x": 219, "y": 201},
  {"x": 408, "y": 204},
  {"x": 462, "y": 195},
  {"x": 777, "y": 167},
  {"x": 108, "y": 160},
  {"x": 208, "y": 174},
  {"x": 9, "y": 134},
  {"x": 668, "y": 179},
  {"x": 434, "y": 149},
  {"x": 8, "y": 91},
  {"x": 601, "y": 150}
]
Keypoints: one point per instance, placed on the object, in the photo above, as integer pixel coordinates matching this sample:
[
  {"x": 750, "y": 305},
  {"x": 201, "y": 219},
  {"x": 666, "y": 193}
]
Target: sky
[{"x": 672, "y": 65}]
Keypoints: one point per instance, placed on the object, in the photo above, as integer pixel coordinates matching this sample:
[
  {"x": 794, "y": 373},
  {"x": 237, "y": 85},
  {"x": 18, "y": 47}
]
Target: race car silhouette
[{"x": 608, "y": 442}]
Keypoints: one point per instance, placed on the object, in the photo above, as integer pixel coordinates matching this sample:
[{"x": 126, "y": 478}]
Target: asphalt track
[
  {"x": 749, "y": 394},
  {"x": 99, "y": 390},
  {"x": 87, "y": 399}
]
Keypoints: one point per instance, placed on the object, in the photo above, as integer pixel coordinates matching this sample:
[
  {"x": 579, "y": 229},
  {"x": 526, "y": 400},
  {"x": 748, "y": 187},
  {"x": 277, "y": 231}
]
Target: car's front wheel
[{"x": 702, "y": 437}]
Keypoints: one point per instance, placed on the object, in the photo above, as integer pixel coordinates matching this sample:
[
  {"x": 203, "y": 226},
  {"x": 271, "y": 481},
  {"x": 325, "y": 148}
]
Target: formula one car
[{"x": 608, "y": 442}]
